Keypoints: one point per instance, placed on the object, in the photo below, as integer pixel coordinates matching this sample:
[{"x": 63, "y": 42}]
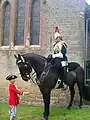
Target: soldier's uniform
[
  {"x": 60, "y": 50},
  {"x": 59, "y": 56}
]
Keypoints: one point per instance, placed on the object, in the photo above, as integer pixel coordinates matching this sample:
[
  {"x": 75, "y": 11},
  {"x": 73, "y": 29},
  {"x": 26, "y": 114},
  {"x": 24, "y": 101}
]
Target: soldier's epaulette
[{"x": 65, "y": 45}]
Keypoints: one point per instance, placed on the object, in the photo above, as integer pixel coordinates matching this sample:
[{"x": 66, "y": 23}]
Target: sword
[{"x": 50, "y": 44}]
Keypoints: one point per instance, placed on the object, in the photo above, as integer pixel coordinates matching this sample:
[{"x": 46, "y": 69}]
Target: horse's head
[{"x": 24, "y": 67}]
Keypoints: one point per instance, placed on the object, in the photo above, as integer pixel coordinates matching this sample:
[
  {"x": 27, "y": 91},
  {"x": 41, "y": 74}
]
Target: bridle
[{"x": 25, "y": 65}]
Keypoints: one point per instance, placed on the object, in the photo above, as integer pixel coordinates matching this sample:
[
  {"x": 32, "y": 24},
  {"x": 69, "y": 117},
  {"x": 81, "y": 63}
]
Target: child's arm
[
  {"x": 13, "y": 88},
  {"x": 25, "y": 93}
]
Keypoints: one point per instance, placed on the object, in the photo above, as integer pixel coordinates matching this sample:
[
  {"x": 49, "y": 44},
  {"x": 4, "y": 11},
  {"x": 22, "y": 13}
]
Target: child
[{"x": 13, "y": 99}]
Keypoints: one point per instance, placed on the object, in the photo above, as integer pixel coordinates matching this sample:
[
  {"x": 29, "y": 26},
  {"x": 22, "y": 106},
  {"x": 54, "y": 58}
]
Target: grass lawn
[{"x": 35, "y": 113}]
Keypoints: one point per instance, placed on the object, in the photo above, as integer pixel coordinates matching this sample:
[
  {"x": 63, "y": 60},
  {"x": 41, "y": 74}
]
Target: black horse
[{"x": 47, "y": 78}]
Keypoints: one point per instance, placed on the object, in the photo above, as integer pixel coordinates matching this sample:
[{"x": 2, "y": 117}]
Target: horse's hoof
[
  {"x": 68, "y": 107},
  {"x": 44, "y": 118},
  {"x": 80, "y": 107}
]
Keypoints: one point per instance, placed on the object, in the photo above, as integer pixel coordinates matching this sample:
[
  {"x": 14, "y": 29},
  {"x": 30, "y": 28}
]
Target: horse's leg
[
  {"x": 80, "y": 87},
  {"x": 80, "y": 82},
  {"x": 46, "y": 98},
  {"x": 72, "y": 93}
]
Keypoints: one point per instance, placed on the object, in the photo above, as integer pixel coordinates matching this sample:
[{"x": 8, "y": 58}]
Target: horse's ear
[
  {"x": 15, "y": 56},
  {"x": 21, "y": 57}
]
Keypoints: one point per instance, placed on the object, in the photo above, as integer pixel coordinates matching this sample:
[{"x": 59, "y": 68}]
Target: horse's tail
[{"x": 80, "y": 73}]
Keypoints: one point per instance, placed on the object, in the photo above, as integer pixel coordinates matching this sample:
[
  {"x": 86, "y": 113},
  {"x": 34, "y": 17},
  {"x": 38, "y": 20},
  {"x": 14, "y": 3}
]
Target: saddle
[{"x": 50, "y": 70}]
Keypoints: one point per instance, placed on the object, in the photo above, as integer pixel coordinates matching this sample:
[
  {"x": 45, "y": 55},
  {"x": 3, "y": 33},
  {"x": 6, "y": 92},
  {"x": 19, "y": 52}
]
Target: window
[
  {"x": 6, "y": 24},
  {"x": 20, "y": 21},
  {"x": 16, "y": 24},
  {"x": 35, "y": 22}
]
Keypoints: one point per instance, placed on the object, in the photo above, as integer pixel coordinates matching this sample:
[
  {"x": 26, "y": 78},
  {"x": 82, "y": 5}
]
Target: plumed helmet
[
  {"x": 56, "y": 32},
  {"x": 57, "y": 29},
  {"x": 56, "y": 35},
  {"x": 10, "y": 77}
]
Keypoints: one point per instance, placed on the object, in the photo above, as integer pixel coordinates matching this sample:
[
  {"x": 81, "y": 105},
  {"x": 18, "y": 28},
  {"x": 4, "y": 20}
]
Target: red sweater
[{"x": 13, "y": 95}]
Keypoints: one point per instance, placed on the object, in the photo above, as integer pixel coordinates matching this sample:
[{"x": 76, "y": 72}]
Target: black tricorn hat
[{"x": 10, "y": 77}]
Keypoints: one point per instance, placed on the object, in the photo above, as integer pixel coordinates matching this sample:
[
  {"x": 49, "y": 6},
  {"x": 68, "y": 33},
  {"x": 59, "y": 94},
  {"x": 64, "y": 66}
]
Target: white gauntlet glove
[{"x": 59, "y": 55}]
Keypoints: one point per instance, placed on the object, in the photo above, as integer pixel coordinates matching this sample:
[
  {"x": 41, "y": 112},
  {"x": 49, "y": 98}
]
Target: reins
[
  {"x": 36, "y": 81},
  {"x": 43, "y": 73}
]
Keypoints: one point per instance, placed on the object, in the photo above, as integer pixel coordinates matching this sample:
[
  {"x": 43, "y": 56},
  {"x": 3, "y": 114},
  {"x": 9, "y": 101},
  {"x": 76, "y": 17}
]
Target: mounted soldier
[
  {"x": 59, "y": 57},
  {"x": 60, "y": 51}
]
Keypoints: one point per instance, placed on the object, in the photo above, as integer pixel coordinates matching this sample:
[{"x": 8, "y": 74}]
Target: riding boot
[{"x": 63, "y": 82}]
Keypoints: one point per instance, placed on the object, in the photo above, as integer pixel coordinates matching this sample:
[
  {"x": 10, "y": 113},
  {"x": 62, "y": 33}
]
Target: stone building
[{"x": 27, "y": 26}]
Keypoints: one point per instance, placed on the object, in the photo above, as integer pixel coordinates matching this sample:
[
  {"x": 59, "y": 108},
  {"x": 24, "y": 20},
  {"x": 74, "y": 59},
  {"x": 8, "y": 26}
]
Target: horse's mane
[
  {"x": 37, "y": 56},
  {"x": 33, "y": 54}
]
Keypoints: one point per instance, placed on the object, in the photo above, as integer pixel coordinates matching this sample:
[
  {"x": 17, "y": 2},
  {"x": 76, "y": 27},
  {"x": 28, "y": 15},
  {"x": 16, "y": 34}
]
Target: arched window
[
  {"x": 35, "y": 22},
  {"x": 20, "y": 21},
  {"x": 6, "y": 24}
]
